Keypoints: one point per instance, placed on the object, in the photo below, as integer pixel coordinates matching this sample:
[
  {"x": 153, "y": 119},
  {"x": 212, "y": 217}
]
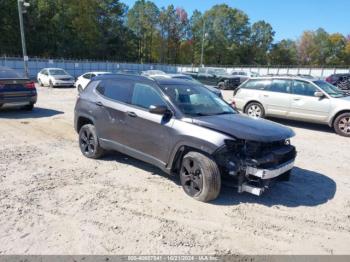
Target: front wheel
[
  {"x": 255, "y": 110},
  {"x": 89, "y": 143},
  {"x": 342, "y": 125},
  {"x": 200, "y": 177},
  {"x": 29, "y": 107},
  {"x": 51, "y": 84}
]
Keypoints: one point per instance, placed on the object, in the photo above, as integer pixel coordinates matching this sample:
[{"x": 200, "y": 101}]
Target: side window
[
  {"x": 144, "y": 96},
  {"x": 303, "y": 88},
  {"x": 44, "y": 72},
  {"x": 118, "y": 90},
  {"x": 257, "y": 84},
  {"x": 280, "y": 86},
  {"x": 92, "y": 75}
]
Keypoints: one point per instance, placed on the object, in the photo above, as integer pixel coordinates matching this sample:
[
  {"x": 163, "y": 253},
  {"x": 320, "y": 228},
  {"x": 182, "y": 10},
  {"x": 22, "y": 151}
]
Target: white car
[
  {"x": 153, "y": 73},
  {"x": 85, "y": 79},
  {"x": 55, "y": 77}
]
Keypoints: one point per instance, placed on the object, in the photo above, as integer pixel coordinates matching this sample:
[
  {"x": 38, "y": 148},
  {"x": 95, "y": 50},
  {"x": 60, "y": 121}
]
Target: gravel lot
[{"x": 55, "y": 201}]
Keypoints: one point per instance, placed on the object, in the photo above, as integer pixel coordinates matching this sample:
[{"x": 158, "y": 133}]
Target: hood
[
  {"x": 346, "y": 99},
  {"x": 246, "y": 128}
]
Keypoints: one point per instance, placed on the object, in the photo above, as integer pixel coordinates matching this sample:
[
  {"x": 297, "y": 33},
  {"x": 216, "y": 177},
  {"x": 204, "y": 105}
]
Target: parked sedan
[
  {"x": 16, "y": 89},
  {"x": 55, "y": 77},
  {"x": 85, "y": 79},
  {"x": 244, "y": 75},
  {"x": 310, "y": 100}
]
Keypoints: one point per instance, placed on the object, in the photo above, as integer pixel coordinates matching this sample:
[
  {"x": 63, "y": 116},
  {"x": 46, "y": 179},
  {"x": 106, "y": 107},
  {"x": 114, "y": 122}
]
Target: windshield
[
  {"x": 196, "y": 100},
  {"x": 331, "y": 90},
  {"x": 56, "y": 72}
]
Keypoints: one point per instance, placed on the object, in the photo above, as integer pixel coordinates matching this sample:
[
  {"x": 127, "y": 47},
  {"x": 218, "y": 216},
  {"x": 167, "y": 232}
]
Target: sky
[{"x": 289, "y": 18}]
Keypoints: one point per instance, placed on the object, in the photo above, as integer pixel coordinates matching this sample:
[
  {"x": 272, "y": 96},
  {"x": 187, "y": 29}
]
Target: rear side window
[
  {"x": 303, "y": 88},
  {"x": 280, "y": 86},
  {"x": 257, "y": 84},
  {"x": 145, "y": 96},
  {"x": 118, "y": 90}
]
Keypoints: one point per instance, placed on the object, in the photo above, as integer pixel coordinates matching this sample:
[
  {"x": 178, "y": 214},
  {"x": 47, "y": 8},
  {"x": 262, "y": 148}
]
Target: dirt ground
[{"x": 55, "y": 201}]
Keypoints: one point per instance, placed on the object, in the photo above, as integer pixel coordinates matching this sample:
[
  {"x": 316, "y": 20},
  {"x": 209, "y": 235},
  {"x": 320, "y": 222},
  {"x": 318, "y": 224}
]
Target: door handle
[
  {"x": 99, "y": 103},
  {"x": 266, "y": 95},
  {"x": 297, "y": 99},
  {"x": 131, "y": 114}
]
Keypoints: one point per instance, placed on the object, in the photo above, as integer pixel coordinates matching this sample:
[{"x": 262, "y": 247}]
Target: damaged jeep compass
[{"x": 184, "y": 129}]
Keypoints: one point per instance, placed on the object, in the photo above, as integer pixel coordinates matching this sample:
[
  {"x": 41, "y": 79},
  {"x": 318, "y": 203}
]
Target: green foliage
[{"x": 107, "y": 29}]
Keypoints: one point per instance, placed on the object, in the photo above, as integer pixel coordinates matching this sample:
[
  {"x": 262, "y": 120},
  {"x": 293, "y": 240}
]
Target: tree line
[{"x": 146, "y": 33}]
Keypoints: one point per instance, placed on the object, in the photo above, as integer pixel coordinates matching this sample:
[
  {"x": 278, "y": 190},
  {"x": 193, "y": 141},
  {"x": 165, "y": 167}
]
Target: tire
[
  {"x": 40, "y": 83},
  {"x": 255, "y": 110},
  {"x": 200, "y": 177},
  {"x": 342, "y": 125},
  {"x": 29, "y": 107},
  {"x": 89, "y": 143},
  {"x": 222, "y": 86},
  {"x": 285, "y": 177}
]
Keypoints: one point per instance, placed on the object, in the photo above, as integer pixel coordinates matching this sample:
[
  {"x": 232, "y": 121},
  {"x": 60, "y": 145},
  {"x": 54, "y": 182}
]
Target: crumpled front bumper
[{"x": 264, "y": 175}]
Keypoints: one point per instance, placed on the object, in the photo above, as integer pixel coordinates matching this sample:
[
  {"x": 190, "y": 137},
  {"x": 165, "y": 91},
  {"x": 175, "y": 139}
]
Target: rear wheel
[
  {"x": 89, "y": 143},
  {"x": 200, "y": 177},
  {"x": 255, "y": 110},
  {"x": 342, "y": 125}
]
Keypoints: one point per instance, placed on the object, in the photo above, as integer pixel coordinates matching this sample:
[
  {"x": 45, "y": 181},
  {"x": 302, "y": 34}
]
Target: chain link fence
[{"x": 79, "y": 67}]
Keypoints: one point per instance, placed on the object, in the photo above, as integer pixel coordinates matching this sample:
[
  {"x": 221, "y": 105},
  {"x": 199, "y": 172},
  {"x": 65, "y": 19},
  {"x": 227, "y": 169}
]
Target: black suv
[
  {"x": 184, "y": 129},
  {"x": 340, "y": 80}
]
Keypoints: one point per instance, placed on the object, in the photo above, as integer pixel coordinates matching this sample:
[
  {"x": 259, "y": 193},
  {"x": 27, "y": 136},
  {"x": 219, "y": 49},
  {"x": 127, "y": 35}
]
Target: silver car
[{"x": 295, "y": 98}]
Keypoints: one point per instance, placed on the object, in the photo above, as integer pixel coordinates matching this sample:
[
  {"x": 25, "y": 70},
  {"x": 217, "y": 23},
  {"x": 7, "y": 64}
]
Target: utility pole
[
  {"x": 22, "y": 5},
  {"x": 203, "y": 39}
]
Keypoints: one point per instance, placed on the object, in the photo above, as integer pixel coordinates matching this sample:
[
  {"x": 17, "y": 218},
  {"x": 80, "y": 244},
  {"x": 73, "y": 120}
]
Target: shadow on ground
[
  {"x": 304, "y": 125},
  {"x": 18, "y": 113},
  {"x": 306, "y": 188}
]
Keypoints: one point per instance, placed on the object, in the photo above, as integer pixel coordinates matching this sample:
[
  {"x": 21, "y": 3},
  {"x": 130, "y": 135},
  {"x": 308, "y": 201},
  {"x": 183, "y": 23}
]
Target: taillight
[{"x": 30, "y": 85}]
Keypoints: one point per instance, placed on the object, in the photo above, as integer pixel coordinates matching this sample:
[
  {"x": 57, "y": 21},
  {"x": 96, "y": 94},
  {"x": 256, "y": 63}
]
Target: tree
[
  {"x": 284, "y": 53},
  {"x": 261, "y": 38}
]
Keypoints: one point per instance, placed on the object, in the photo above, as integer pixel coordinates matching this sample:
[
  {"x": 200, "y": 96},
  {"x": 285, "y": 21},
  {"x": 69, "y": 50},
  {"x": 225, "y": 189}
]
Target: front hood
[
  {"x": 246, "y": 128},
  {"x": 346, "y": 99}
]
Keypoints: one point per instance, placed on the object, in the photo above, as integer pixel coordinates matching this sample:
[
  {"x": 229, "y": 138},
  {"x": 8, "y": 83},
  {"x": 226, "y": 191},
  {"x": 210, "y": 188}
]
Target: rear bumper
[{"x": 30, "y": 99}]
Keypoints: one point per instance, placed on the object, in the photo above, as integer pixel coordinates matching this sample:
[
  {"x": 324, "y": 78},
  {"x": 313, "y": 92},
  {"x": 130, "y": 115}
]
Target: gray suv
[
  {"x": 184, "y": 129},
  {"x": 297, "y": 98}
]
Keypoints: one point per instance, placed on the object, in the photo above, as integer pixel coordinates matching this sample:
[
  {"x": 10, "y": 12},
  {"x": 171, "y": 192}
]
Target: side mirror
[
  {"x": 80, "y": 89},
  {"x": 319, "y": 94},
  {"x": 159, "y": 110}
]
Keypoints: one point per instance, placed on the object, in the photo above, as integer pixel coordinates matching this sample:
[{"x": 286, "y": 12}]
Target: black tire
[
  {"x": 285, "y": 177},
  {"x": 342, "y": 125},
  {"x": 51, "y": 84},
  {"x": 200, "y": 177},
  {"x": 222, "y": 86},
  {"x": 29, "y": 107},
  {"x": 89, "y": 143},
  {"x": 255, "y": 109}
]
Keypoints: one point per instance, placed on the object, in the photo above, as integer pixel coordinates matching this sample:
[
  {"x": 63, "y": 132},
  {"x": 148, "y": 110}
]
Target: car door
[
  {"x": 305, "y": 105},
  {"x": 206, "y": 76},
  {"x": 148, "y": 133},
  {"x": 276, "y": 97},
  {"x": 111, "y": 109}
]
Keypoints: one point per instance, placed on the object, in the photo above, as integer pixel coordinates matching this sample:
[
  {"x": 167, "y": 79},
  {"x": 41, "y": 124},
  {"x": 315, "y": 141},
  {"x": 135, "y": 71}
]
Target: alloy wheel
[
  {"x": 191, "y": 177},
  {"x": 87, "y": 142},
  {"x": 344, "y": 125},
  {"x": 254, "y": 111}
]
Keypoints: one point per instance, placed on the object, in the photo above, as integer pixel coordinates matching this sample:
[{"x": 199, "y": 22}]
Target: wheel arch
[
  {"x": 83, "y": 120},
  {"x": 252, "y": 101},
  {"x": 331, "y": 123}
]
